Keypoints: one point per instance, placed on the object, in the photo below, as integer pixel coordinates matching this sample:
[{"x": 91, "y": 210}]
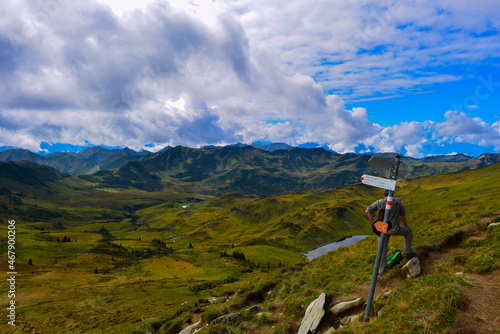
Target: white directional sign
[{"x": 378, "y": 182}]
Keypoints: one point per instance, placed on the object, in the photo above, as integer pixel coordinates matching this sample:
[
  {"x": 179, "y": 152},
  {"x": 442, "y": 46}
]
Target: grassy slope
[
  {"x": 247, "y": 170},
  {"x": 138, "y": 289},
  {"x": 298, "y": 221},
  {"x": 129, "y": 268}
]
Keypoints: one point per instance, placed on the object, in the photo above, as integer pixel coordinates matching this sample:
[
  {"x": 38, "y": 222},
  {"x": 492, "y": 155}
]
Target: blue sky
[{"x": 417, "y": 77}]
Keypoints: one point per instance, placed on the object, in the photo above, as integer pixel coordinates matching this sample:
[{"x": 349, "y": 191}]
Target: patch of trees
[
  {"x": 148, "y": 252},
  {"x": 106, "y": 234},
  {"x": 161, "y": 247},
  {"x": 159, "y": 243},
  {"x": 48, "y": 237},
  {"x": 236, "y": 255},
  {"x": 241, "y": 256}
]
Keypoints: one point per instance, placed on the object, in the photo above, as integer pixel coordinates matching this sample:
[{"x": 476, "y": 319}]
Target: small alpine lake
[{"x": 334, "y": 246}]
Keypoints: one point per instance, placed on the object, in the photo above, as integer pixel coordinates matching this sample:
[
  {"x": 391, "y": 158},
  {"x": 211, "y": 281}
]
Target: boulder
[
  {"x": 314, "y": 313},
  {"x": 330, "y": 331},
  {"x": 413, "y": 268},
  {"x": 226, "y": 319},
  {"x": 341, "y": 307}
]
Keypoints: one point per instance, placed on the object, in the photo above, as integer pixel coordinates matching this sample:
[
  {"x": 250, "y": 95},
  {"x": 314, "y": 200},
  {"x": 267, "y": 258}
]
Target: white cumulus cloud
[{"x": 143, "y": 74}]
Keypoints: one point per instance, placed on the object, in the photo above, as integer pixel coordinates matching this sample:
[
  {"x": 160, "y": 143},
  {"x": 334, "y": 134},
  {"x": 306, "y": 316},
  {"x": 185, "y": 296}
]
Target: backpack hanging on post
[{"x": 378, "y": 225}]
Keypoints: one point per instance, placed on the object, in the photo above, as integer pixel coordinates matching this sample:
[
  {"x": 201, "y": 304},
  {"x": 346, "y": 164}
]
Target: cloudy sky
[{"x": 420, "y": 77}]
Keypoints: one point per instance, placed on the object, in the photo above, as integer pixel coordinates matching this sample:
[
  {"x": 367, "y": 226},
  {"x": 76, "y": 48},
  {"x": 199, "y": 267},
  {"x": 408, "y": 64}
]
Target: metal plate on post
[
  {"x": 381, "y": 162},
  {"x": 378, "y": 182}
]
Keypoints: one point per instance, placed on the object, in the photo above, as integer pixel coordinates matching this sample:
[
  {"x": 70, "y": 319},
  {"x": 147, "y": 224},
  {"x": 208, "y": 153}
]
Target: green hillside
[
  {"x": 247, "y": 170},
  {"x": 115, "y": 260},
  {"x": 87, "y": 161},
  {"x": 253, "y": 170}
]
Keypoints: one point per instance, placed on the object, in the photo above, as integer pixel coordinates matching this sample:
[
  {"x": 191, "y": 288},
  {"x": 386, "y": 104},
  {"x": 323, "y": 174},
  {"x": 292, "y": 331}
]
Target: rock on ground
[
  {"x": 190, "y": 329},
  {"x": 413, "y": 268},
  {"x": 314, "y": 313},
  {"x": 349, "y": 319},
  {"x": 341, "y": 307},
  {"x": 493, "y": 225},
  {"x": 226, "y": 319}
]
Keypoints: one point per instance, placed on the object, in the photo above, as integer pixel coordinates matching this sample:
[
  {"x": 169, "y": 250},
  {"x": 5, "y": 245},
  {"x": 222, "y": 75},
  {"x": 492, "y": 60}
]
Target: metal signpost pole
[{"x": 392, "y": 175}]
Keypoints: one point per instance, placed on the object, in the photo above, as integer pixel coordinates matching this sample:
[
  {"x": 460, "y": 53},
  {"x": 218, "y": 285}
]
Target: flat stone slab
[
  {"x": 341, "y": 307},
  {"x": 190, "y": 329},
  {"x": 314, "y": 313},
  {"x": 349, "y": 319}
]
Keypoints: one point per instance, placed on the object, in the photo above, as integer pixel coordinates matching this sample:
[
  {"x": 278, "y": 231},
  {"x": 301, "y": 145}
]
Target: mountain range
[
  {"x": 87, "y": 161},
  {"x": 254, "y": 170},
  {"x": 94, "y": 159}
]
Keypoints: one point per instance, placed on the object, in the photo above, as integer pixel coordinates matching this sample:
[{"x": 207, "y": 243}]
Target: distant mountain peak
[
  {"x": 237, "y": 144},
  {"x": 18, "y": 154},
  {"x": 272, "y": 146}
]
